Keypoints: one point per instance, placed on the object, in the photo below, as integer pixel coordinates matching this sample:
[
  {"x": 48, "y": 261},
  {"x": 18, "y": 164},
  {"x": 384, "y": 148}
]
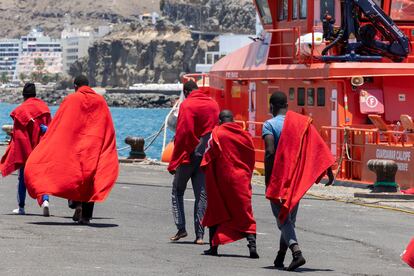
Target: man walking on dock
[
  {"x": 296, "y": 157},
  {"x": 229, "y": 164},
  {"x": 197, "y": 117},
  {"x": 31, "y": 119},
  {"x": 77, "y": 159}
]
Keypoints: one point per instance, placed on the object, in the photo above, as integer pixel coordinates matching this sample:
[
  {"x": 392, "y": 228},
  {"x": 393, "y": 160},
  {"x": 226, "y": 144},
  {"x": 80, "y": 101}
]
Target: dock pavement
[{"x": 131, "y": 230}]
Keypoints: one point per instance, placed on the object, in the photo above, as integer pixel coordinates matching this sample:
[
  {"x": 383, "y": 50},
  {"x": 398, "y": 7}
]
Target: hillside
[
  {"x": 222, "y": 16},
  {"x": 17, "y": 17},
  {"x": 146, "y": 55},
  {"x": 134, "y": 52}
]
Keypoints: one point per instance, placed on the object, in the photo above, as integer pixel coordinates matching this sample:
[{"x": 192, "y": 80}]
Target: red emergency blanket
[
  {"x": 26, "y": 134},
  {"x": 77, "y": 158},
  {"x": 302, "y": 159},
  {"x": 408, "y": 192},
  {"x": 228, "y": 164},
  {"x": 408, "y": 255},
  {"x": 198, "y": 115}
]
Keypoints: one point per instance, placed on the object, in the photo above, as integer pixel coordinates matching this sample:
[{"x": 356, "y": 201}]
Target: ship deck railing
[{"x": 348, "y": 145}]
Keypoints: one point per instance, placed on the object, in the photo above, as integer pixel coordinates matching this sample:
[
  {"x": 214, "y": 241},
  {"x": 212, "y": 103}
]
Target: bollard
[
  {"x": 386, "y": 171},
  {"x": 137, "y": 147}
]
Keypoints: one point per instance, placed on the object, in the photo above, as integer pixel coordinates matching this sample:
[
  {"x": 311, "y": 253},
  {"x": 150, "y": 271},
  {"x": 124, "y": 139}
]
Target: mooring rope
[
  {"x": 154, "y": 138},
  {"x": 124, "y": 148}
]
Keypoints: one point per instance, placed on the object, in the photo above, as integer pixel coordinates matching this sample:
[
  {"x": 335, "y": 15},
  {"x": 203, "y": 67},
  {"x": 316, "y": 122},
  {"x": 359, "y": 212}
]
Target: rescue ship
[{"x": 345, "y": 63}]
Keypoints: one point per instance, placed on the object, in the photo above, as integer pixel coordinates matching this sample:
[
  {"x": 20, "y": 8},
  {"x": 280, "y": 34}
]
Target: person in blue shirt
[{"x": 272, "y": 130}]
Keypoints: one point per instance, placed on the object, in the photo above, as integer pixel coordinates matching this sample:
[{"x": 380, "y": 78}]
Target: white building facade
[
  {"x": 76, "y": 43},
  {"x": 18, "y": 57},
  {"x": 9, "y": 55},
  {"x": 37, "y": 46}
]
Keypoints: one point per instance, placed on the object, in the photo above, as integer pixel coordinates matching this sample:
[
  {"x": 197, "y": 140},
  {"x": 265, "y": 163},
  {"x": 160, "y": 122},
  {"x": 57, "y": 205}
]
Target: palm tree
[{"x": 4, "y": 77}]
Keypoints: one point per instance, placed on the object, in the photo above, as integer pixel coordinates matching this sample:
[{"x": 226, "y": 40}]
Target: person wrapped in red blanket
[
  {"x": 198, "y": 115},
  {"x": 77, "y": 158},
  {"x": 408, "y": 254},
  {"x": 228, "y": 164},
  {"x": 296, "y": 157},
  {"x": 30, "y": 120}
]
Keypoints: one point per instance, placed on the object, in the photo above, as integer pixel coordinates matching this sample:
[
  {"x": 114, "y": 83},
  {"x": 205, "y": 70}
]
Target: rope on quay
[{"x": 362, "y": 204}]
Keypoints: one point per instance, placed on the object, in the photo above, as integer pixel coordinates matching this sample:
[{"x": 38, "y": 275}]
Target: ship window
[
  {"x": 264, "y": 11},
  {"x": 303, "y": 9},
  {"x": 402, "y": 10},
  {"x": 283, "y": 9},
  {"x": 291, "y": 94},
  {"x": 327, "y": 7},
  {"x": 295, "y": 13},
  {"x": 216, "y": 58},
  {"x": 311, "y": 96},
  {"x": 301, "y": 96},
  {"x": 321, "y": 96}
]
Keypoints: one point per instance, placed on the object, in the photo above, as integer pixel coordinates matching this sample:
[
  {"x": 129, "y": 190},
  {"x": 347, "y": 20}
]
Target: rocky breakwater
[
  {"x": 50, "y": 96},
  {"x": 160, "y": 54},
  {"x": 138, "y": 100},
  {"x": 133, "y": 99}
]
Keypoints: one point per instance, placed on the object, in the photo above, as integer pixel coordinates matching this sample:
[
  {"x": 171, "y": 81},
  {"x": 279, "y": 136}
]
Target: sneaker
[
  {"x": 180, "y": 234},
  {"x": 19, "y": 211},
  {"x": 45, "y": 206}
]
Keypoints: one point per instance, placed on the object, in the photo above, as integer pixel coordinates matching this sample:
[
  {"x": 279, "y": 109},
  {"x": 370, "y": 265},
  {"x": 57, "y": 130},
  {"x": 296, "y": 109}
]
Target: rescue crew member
[
  {"x": 198, "y": 115},
  {"x": 30, "y": 121},
  {"x": 228, "y": 164},
  {"x": 296, "y": 157},
  {"x": 77, "y": 159}
]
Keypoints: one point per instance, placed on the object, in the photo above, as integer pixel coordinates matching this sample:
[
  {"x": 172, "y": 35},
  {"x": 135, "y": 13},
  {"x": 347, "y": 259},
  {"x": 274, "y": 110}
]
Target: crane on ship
[{"x": 367, "y": 33}]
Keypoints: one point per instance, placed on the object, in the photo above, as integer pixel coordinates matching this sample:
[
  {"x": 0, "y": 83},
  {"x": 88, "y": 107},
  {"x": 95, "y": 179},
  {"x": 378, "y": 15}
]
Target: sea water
[{"x": 139, "y": 122}]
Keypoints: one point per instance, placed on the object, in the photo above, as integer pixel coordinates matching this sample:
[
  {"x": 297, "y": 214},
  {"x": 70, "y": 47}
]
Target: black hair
[
  {"x": 278, "y": 100},
  {"x": 81, "y": 81},
  {"x": 226, "y": 116},
  {"x": 190, "y": 86},
  {"x": 29, "y": 90}
]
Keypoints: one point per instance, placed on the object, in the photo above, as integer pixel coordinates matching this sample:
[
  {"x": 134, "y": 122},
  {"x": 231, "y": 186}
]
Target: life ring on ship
[{"x": 167, "y": 153}]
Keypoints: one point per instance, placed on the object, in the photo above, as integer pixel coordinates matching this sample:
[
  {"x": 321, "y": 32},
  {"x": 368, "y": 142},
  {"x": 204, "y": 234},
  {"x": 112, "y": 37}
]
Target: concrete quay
[{"x": 131, "y": 230}]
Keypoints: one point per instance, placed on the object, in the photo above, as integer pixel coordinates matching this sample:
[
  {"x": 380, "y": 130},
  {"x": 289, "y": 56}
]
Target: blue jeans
[
  {"x": 183, "y": 174},
  {"x": 21, "y": 190},
  {"x": 288, "y": 234}
]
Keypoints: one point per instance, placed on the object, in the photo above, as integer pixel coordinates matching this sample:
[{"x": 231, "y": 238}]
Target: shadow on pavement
[
  {"x": 93, "y": 225},
  {"x": 233, "y": 256},
  {"x": 184, "y": 242},
  {"x": 71, "y": 218},
  {"x": 25, "y": 215},
  {"x": 302, "y": 269},
  {"x": 52, "y": 216}
]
